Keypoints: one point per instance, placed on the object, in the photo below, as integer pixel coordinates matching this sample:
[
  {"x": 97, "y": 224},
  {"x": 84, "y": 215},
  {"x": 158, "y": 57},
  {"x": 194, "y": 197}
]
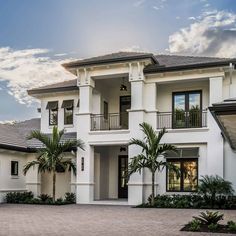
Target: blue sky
[{"x": 37, "y": 36}]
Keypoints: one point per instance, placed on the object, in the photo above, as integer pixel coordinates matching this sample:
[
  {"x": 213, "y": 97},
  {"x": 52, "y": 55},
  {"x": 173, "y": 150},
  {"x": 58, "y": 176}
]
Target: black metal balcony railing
[
  {"x": 182, "y": 119},
  {"x": 111, "y": 121}
]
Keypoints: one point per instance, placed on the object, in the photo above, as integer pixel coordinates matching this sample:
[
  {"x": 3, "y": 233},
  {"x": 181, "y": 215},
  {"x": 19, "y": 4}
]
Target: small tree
[
  {"x": 212, "y": 186},
  {"x": 50, "y": 156},
  {"x": 152, "y": 154}
]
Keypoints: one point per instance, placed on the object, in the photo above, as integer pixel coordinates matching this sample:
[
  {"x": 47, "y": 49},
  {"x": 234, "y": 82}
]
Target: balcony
[
  {"x": 182, "y": 119},
  {"x": 111, "y": 121}
]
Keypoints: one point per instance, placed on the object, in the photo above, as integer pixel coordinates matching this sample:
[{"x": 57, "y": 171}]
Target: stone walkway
[{"x": 75, "y": 220}]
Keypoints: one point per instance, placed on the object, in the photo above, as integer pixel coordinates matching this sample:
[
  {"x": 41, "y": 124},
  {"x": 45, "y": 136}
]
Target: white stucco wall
[
  {"x": 45, "y": 112},
  {"x": 63, "y": 181},
  {"x": 8, "y": 182}
]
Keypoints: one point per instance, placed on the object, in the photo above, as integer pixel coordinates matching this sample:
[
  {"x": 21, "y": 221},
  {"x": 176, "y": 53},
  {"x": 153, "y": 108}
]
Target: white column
[
  {"x": 33, "y": 178},
  {"x": 215, "y": 145},
  {"x": 216, "y": 90},
  {"x": 136, "y": 117},
  {"x": 85, "y": 174},
  {"x": 150, "y": 103}
]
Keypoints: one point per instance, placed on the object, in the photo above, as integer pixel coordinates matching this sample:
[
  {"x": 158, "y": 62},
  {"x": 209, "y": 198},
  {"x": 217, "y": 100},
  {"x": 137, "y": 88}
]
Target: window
[
  {"x": 187, "y": 162},
  {"x": 53, "y": 116},
  {"x": 68, "y": 111},
  {"x": 14, "y": 168},
  {"x": 187, "y": 109},
  {"x": 53, "y": 112},
  {"x": 105, "y": 110}
]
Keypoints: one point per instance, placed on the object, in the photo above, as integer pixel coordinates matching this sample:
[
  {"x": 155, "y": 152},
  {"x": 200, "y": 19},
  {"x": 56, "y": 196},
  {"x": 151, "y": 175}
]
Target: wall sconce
[
  {"x": 82, "y": 163},
  {"x": 122, "y": 149}
]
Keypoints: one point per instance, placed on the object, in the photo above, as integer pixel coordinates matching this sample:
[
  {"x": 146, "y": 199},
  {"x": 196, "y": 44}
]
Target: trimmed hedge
[
  {"x": 190, "y": 201},
  {"x": 43, "y": 199}
]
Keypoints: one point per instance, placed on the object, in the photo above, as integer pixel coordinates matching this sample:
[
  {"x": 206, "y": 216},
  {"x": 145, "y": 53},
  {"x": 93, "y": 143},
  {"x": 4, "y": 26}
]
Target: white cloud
[
  {"x": 210, "y": 35},
  {"x": 192, "y": 18},
  {"x": 133, "y": 48},
  {"x": 29, "y": 68},
  {"x": 156, "y": 8},
  {"x": 139, "y": 3}
]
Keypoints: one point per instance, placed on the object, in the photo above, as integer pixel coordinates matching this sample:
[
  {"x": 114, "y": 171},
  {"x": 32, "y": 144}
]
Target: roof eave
[
  {"x": 34, "y": 92},
  {"x": 109, "y": 61},
  {"x": 154, "y": 69}
]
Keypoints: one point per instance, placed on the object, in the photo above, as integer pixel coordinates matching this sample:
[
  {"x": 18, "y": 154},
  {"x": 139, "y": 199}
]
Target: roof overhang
[
  {"x": 151, "y": 69},
  {"x": 225, "y": 115},
  {"x": 95, "y": 62}
]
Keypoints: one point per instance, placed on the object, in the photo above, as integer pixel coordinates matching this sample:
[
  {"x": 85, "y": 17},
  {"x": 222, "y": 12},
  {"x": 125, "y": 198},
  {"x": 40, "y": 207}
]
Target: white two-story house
[{"x": 104, "y": 105}]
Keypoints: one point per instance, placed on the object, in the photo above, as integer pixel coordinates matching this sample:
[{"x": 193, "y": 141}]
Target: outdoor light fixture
[
  {"x": 82, "y": 163},
  {"x": 122, "y": 149},
  {"x": 122, "y": 86}
]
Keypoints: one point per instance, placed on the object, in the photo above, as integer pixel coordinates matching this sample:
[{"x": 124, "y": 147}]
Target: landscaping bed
[
  {"x": 192, "y": 201},
  {"x": 42, "y": 199},
  {"x": 209, "y": 222},
  {"x": 204, "y": 228}
]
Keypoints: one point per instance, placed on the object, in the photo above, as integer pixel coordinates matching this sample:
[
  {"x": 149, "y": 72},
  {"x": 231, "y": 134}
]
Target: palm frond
[
  {"x": 149, "y": 132},
  {"x": 139, "y": 143},
  {"x": 29, "y": 165}
]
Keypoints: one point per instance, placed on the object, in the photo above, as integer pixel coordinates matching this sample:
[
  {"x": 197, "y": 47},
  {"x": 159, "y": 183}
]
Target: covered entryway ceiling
[{"x": 225, "y": 115}]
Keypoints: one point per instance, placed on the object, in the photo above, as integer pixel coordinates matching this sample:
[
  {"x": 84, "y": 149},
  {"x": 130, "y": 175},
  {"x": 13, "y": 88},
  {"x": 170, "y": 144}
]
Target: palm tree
[
  {"x": 51, "y": 156},
  {"x": 151, "y": 155}
]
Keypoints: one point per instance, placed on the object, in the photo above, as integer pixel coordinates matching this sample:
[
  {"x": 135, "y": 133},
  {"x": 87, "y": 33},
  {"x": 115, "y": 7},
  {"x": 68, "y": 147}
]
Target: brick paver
[{"x": 74, "y": 220}]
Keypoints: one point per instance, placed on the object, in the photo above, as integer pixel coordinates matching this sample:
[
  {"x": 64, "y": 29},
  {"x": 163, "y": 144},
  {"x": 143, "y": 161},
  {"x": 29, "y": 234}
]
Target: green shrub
[
  {"x": 70, "y": 198},
  {"x": 194, "y": 225},
  {"x": 214, "y": 189},
  {"x": 19, "y": 197},
  {"x": 59, "y": 201},
  {"x": 231, "y": 226},
  {"x": 209, "y": 217},
  {"x": 45, "y": 198},
  {"x": 213, "y": 227}
]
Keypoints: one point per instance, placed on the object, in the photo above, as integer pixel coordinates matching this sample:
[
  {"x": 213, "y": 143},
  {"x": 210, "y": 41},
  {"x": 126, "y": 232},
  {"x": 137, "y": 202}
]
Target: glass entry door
[
  {"x": 122, "y": 175},
  {"x": 187, "y": 109}
]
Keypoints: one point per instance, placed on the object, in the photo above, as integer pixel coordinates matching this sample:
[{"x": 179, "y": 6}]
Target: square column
[
  {"x": 85, "y": 159},
  {"x": 136, "y": 117},
  {"x": 85, "y": 175},
  {"x": 215, "y": 144}
]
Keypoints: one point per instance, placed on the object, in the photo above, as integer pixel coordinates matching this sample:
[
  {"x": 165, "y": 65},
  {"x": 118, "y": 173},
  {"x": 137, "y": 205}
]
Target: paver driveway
[{"x": 77, "y": 220}]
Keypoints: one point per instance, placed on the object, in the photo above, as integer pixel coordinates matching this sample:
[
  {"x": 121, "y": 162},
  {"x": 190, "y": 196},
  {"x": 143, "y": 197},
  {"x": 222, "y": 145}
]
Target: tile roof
[
  {"x": 177, "y": 60},
  {"x": 163, "y": 63},
  {"x": 66, "y": 85},
  {"x": 113, "y": 57},
  {"x": 14, "y": 136}
]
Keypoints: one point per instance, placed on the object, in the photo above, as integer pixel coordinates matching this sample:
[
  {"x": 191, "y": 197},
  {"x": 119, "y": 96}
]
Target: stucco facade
[{"x": 97, "y": 120}]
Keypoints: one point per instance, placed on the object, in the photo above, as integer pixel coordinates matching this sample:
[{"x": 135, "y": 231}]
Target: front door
[{"x": 123, "y": 180}]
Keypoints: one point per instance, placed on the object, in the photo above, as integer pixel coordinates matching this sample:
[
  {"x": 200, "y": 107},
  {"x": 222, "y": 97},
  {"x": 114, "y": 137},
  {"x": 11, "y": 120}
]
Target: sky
[{"x": 37, "y": 36}]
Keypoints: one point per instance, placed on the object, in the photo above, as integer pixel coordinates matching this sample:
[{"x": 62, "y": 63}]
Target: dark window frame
[
  {"x": 68, "y": 109},
  {"x": 105, "y": 110},
  {"x": 13, "y": 168},
  {"x": 181, "y": 160},
  {"x": 186, "y": 94},
  {"x": 53, "y": 110}
]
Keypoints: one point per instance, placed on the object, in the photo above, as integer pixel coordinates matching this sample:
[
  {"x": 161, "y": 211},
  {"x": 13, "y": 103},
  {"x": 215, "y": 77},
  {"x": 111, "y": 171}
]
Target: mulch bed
[{"x": 204, "y": 228}]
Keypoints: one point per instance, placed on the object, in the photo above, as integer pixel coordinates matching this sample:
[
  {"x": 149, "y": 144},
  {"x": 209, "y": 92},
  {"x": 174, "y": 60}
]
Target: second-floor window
[
  {"x": 53, "y": 112},
  {"x": 187, "y": 109},
  {"x": 68, "y": 105}
]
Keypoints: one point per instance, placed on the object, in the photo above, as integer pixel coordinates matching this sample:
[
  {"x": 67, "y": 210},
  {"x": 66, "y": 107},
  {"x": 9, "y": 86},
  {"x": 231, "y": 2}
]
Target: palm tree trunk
[
  {"x": 153, "y": 190},
  {"x": 54, "y": 186}
]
